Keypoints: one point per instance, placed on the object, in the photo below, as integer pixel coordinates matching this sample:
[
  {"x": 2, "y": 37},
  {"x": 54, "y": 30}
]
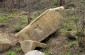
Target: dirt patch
[{"x": 60, "y": 45}]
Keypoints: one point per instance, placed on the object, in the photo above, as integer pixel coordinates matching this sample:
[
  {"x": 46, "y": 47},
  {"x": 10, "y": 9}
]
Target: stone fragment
[
  {"x": 71, "y": 36},
  {"x": 28, "y": 45}
]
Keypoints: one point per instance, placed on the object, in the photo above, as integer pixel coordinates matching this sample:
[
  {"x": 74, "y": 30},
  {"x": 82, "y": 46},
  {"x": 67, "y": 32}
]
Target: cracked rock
[
  {"x": 44, "y": 25},
  {"x": 28, "y": 45}
]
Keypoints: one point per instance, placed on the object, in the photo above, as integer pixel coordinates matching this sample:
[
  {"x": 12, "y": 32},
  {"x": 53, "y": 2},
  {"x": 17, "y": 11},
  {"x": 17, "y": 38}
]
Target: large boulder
[
  {"x": 28, "y": 45},
  {"x": 34, "y": 52},
  {"x": 44, "y": 25},
  {"x": 39, "y": 29}
]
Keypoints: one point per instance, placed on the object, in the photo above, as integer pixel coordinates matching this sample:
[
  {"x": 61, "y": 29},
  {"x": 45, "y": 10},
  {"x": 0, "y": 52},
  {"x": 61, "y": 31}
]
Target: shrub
[
  {"x": 18, "y": 49},
  {"x": 47, "y": 53},
  {"x": 18, "y": 28}
]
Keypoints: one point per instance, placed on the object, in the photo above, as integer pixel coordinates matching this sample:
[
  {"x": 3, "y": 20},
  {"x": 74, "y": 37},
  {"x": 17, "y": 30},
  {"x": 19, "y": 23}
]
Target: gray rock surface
[{"x": 35, "y": 52}]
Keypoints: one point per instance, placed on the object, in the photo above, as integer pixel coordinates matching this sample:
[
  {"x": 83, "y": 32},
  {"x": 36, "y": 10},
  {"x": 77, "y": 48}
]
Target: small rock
[
  {"x": 71, "y": 36},
  {"x": 28, "y": 45},
  {"x": 2, "y": 25},
  {"x": 35, "y": 52}
]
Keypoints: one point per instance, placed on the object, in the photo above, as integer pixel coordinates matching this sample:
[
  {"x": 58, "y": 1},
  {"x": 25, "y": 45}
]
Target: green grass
[
  {"x": 18, "y": 49},
  {"x": 68, "y": 24},
  {"x": 47, "y": 53},
  {"x": 75, "y": 19},
  {"x": 10, "y": 18},
  {"x": 68, "y": 53},
  {"x": 35, "y": 15},
  {"x": 18, "y": 28},
  {"x": 63, "y": 30},
  {"x": 4, "y": 19},
  {"x": 23, "y": 20},
  {"x": 11, "y": 53},
  {"x": 70, "y": 44},
  {"x": 54, "y": 3}
]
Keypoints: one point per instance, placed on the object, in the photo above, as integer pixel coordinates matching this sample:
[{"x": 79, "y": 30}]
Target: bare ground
[{"x": 61, "y": 45}]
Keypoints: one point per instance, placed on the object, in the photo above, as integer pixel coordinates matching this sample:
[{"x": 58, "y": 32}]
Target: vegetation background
[{"x": 16, "y": 14}]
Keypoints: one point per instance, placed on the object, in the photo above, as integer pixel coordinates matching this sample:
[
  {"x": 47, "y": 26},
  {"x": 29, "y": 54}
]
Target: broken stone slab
[
  {"x": 44, "y": 25},
  {"x": 35, "y": 52},
  {"x": 5, "y": 42},
  {"x": 28, "y": 45}
]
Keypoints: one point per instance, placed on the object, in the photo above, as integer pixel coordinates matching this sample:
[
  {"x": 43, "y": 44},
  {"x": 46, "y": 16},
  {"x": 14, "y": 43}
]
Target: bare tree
[
  {"x": 10, "y": 4},
  {"x": 61, "y": 2},
  {"x": 29, "y": 5}
]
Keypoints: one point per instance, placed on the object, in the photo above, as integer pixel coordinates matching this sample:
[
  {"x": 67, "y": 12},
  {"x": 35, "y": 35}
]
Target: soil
[{"x": 56, "y": 45}]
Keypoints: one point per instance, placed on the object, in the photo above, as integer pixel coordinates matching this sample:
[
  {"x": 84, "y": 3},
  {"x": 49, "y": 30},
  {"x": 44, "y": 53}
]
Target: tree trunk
[
  {"x": 29, "y": 7},
  {"x": 62, "y": 2},
  {"x": 10, "y": 4}
]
